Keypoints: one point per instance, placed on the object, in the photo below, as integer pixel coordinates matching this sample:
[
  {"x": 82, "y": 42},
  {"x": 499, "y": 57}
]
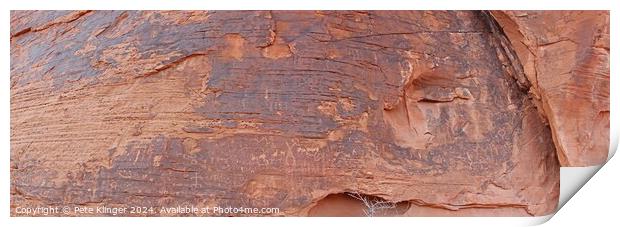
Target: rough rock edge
[
  {"x": 507, "y": 53},
  {"x": 498, "y": 22}
]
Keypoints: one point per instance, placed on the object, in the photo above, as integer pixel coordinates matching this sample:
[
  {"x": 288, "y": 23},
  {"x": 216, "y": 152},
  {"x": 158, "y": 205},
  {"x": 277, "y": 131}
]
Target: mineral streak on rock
[
  {"x": 565, "y": 58},
  {"x": 294, "y": 110}
]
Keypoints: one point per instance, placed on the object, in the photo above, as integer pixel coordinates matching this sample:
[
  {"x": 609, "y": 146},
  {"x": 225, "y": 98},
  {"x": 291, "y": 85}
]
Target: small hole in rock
[{"x": 357, "y": 205}]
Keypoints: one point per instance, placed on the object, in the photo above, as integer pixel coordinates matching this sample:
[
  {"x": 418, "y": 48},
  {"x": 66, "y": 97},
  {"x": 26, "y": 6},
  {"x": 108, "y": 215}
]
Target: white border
[
  {"x": 313, "y": 5},
  {"x": 570, "y": 181}
]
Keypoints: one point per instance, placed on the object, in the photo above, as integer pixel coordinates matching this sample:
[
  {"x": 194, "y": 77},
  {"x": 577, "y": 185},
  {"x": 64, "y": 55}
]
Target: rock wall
[
  {"x": 565, "y": 58},
  {"x": 434, "y": 113}
]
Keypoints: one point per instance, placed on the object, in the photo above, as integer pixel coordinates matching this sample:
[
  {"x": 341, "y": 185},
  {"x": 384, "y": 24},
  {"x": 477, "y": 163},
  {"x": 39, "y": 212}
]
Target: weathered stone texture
[
  {"x": 290, "y": 110},
  {"x": 565, "y": 57}
]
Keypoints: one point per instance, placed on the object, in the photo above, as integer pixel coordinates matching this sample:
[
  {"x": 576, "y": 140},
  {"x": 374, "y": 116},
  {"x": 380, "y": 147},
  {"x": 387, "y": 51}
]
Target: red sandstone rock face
[
  {"x": 565, "y": 58},
  {"x": 425, "y": 111}
]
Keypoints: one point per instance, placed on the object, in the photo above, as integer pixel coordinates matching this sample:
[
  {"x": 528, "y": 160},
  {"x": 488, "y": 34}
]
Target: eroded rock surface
[
  {"x": 294, "y": 110},
  {"x": 565, "y": 58}
]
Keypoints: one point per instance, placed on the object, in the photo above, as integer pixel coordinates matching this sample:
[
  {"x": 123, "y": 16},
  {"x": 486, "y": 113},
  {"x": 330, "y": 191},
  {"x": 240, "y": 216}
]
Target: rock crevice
[{"x": 438, "y": 113}]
